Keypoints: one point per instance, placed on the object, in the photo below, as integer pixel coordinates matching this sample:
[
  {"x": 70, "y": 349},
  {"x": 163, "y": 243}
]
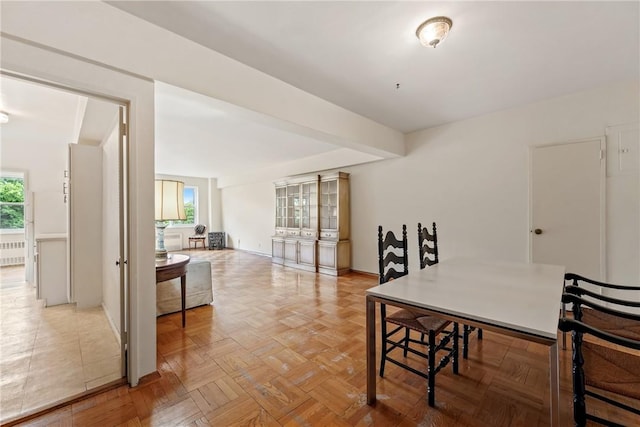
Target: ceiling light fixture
[
  {"x": 4, "y": 117},
  {"x": 433, "y": 31}
]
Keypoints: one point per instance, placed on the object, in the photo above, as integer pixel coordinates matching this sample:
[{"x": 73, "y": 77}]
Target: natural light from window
[
  {"x": 190, "y": 207},
  {"x": 11, "y": 203}
]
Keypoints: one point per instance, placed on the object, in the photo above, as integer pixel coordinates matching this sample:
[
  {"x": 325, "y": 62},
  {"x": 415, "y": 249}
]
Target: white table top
[{"x": 520, "y": 296}]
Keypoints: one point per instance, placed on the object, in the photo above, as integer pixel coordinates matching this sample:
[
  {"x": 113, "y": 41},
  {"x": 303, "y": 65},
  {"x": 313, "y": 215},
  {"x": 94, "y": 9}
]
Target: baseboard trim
[
  {"x": 149, "y": 378},
  {"x": 365, "y": 273}
]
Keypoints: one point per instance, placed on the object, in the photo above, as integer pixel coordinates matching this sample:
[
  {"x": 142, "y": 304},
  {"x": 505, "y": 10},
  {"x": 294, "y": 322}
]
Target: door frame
[
  {"x": 124, "y": 108},
  {"x": 603, "y": 203}
]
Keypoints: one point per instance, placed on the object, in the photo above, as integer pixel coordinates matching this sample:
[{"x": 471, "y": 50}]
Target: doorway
[
  {"x": 567, "y": 206},
  {"x": 55, "y": 350}
]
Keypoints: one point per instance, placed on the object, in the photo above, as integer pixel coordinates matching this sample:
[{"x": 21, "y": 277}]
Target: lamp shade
[{"x": 169, "y": 200}]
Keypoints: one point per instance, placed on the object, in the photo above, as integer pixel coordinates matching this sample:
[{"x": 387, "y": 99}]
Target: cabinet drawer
[
  {"x": 293, "y": 232},
  {"x": 310, "y": 234},
  {"x": 329, "y": 235},
  {"x": 280, "y": 232}
]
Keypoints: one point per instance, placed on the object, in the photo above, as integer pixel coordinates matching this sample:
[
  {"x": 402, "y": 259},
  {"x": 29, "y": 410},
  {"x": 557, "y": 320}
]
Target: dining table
[{"x": 518, "y": 299}]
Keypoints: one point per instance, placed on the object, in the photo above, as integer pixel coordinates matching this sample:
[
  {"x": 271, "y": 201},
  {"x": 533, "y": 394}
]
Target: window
[
  {"x": 190, "y": 207},
  {"x": 11, "y": 203}
]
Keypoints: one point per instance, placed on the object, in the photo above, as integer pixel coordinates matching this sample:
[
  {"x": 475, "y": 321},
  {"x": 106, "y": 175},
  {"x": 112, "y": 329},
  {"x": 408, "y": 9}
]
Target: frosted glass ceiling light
[
  {"x": 4, "y": 117},
  {"x": 433, "y": 31}
]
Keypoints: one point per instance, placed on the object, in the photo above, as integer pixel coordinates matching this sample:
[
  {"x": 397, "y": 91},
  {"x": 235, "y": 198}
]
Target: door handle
[{"x": 537, "y": 231}]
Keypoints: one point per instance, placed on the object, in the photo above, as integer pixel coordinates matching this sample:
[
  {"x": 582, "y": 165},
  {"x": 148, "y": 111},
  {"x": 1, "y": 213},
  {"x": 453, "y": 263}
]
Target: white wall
[
  {"x": 248, "y": 216},
  {"x": 44, "y": 163},
  {"x": 623, "y": 187},
  {"x": 85, "y": 231},
  {"x": 471, "y": 177},
  {"x": 215, "y": 205}
]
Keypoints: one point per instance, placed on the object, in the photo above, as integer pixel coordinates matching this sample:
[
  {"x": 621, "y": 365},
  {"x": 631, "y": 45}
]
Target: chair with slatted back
[
  {"x": 198, "y": 236},
  {"x": 428, "y": 252},
  {"x": 578, "y": 280},
  {"x": 393, "y": 263},
  {"x": 605, "y": 357}
]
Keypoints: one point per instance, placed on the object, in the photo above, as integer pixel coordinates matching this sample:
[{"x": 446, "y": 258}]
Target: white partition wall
[{"x": 85, "y": 231}]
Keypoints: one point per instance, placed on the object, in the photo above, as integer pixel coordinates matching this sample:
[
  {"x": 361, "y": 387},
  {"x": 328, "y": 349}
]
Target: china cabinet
[
  {"x": 334, "y": 247},
  {"x": 312, "y": 223}
]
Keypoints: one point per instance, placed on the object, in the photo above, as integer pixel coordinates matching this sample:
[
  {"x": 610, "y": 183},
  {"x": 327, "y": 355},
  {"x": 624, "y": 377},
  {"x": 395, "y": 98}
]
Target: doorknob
[{"x": 537, "y": 231}]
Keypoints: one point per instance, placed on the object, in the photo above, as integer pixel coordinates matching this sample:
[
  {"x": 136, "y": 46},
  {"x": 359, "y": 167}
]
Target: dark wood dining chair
[
  {"x": 428, "y": 252},
  {"x": 393, "y": 263},
  {"x": 607, "y": 368},
  {"x": 573, "y": 279}
]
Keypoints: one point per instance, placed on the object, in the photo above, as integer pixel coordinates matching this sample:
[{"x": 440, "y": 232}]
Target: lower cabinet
[
  {"x": 334, "y": 257},
  {"x": 307, "y": 254},
  {"x": 52, "y": 269},
  {"x": 290, "y": 252},
  {"x": 296, "y": 253},
  {"x": 277, "y": 250}
]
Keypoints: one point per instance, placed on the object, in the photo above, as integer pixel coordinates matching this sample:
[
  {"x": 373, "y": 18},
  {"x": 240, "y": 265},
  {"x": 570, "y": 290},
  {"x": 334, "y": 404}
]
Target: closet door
[{"x": 567, "y": 206}]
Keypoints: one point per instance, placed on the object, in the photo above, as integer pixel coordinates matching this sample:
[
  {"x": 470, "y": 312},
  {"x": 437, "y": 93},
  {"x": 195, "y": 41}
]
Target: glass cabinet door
[
  {"x": 281, "y": 207},
  {"x": 293, "y": 206},
  {"x": 329, "y": 202},
  {"x": 309, "y": 206}
]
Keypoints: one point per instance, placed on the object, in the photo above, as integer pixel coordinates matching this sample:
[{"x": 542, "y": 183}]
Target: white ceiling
[
  {"x": 38, "y": 114},
  {"x": 200, "y": 136},
  {"x": 41, "y": 114},
  {"x": 498, "y": 55}
]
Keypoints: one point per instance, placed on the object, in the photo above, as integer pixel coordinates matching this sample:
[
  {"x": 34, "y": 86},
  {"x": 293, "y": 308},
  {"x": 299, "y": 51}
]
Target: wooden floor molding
[
  {"x": 283, "y": 347},
  {"x": 26, "y": 418}
]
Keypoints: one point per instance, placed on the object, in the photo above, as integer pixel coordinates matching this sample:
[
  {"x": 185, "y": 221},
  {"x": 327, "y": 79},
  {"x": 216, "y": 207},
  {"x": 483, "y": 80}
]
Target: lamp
[
  {"x": 433, "y": 31},
  {"x": 169, "y": 207}
]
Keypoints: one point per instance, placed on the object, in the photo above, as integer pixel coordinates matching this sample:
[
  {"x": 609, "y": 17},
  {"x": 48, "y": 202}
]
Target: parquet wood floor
[{"x": 282, "y": 347}]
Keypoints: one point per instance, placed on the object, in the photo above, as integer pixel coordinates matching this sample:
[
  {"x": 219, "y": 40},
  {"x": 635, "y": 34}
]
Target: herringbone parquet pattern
[{"x": 282, "y": 347}]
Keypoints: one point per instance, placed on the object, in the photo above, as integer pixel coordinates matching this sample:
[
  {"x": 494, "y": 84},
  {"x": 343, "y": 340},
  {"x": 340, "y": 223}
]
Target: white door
[{"x": 567, "y": 206}]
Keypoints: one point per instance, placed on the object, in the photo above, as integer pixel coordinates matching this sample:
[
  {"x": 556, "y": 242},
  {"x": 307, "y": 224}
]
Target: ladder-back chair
[
  {"x": 606, "y": 368},
  {"x": 393, "y": 263},
  {"x": 428, "y": 252}
]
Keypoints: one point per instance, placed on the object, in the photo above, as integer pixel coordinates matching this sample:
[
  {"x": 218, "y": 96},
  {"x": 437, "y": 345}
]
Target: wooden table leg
[
  {"x": 554, "y": 385},
  {"x": 183, "y": 295},
  {"x": 371, "y": 351}
]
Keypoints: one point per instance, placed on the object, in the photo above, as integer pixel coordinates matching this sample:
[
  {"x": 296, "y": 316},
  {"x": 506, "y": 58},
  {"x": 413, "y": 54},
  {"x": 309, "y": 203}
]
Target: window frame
[
  {"x": 196, "y": 204},
  {"x": 20, "y": 176}
]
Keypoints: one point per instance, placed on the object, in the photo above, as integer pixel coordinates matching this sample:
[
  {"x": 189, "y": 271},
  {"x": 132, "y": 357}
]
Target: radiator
[
  {"x": 14, "y": 260},
  {"x": 5, "y": 246},
  {"x": 12, "y": 253},
  {"x": 173, "y": 242}
]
